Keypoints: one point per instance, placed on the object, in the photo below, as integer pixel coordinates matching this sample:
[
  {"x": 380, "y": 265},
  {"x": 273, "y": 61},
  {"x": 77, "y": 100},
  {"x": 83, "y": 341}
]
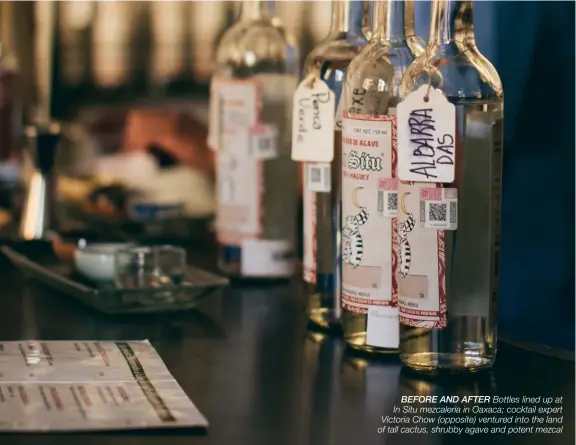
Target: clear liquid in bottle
[
  {"x": 322, "y": 181},
  {"x": 448, "y": 289},
  {"x": 372, "y": 90}
]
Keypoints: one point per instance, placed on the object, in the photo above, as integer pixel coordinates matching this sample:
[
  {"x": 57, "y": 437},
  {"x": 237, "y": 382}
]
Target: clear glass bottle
[
  {"x": 415, "y": 43},
  {"x": 371, "y": 93},
  {"x": 449, "y": 288},
  {"x": 250, "y": 127},
  {"x": 322, "y": 210}
]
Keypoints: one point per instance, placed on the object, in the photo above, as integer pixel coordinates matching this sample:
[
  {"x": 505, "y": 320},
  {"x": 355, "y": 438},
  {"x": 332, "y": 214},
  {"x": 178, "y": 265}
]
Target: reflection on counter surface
[{"x": 246, "y": 361}]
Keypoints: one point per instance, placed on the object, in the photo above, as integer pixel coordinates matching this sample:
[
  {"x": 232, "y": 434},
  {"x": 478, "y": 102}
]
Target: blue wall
[{"x": 532, "y": 46}]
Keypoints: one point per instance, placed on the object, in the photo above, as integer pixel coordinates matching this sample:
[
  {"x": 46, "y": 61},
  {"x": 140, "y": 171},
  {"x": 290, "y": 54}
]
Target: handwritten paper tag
[
  {"x": 426, "y": 137},
  {"x": 313, "y": 122}
]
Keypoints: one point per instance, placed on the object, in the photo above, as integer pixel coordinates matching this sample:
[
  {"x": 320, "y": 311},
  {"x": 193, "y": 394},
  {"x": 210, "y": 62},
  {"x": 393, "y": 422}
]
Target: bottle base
[
  {"x": 357, "y": 344},
  {"x": 324, "y": 319},
  {"x": 435, "y": 362}
]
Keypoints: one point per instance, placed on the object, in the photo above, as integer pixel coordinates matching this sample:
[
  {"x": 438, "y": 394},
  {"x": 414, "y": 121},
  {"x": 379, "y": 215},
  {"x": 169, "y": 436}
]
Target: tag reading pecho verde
[{"x": 313, "y": 122}]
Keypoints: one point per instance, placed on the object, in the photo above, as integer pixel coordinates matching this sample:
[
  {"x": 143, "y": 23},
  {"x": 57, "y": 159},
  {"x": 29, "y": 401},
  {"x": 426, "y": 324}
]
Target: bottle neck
[
  {"x": 452, "y": 21},
  {"x": 347, "y": 16},
  {"x": 409, "y": 28},
  {"x": 388, "y": 20},
  {"x": 256, "y": 9}
]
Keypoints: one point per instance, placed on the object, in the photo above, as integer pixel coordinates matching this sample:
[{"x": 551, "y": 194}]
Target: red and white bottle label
[
  {"x": 235, "y": 114},
  {"x": 368, "y": 201},
  {"x": 244, "y": 140},
  {"x": 421, "y": 251},
  {"x": 309, "y": 229}
]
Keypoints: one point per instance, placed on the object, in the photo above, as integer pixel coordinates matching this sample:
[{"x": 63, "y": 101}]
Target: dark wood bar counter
[{"x": 247, "y": 361}]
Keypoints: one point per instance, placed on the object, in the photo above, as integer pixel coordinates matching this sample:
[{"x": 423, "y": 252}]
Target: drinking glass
[{"x": 149, "y": 267}]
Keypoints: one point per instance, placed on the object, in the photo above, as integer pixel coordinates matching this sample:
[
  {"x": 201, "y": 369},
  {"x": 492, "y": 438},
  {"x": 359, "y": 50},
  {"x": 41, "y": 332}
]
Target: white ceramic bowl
[{"x": 96, "y": 260}]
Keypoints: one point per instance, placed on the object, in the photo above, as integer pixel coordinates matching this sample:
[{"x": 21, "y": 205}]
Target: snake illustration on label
[{"x": 368, "y": 179}]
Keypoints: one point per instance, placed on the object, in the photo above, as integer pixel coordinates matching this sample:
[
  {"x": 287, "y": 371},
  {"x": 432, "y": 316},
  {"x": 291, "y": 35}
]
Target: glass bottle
[
  {"x": 250, "y": 115},
  {"x": 371, "y": 93},
  {"x": 328, "y": 63},
  {"x": 415, "y": 43},
  {"x": 449, "y": 288}
]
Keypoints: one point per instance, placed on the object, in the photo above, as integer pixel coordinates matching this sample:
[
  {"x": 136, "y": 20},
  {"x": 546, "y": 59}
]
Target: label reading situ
[
  {"x": 368, "y": 143},
  {"x": 439, "y": 208},
  {"x": 319, "y": 177},
  {"x": 426, "y": 137},
  {"x": 313, "y": 122}
]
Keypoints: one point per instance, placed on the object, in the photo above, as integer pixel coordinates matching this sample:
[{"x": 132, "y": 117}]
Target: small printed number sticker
[{"x": 388, "y": 197}]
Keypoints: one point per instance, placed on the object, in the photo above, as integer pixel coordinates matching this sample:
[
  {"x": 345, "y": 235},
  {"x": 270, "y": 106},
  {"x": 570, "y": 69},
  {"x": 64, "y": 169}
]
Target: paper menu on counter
[{"x": 89, "y": 385}]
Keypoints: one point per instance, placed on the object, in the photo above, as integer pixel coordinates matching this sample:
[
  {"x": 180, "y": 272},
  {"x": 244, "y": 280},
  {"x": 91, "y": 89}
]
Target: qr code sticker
[
  {"x": 453, "y": 212},
  {"x": 440, "y": 215},
  {"x": 319, "y": 178},
  {"x": 388, "y": 203},
  {"x": 437, "y": 212},
  {"x": 315, "y": 175},
  {"x": 263, "y": 147},
  {"x": 263, "y": 144},
  {"x": 393, "y": 201}
]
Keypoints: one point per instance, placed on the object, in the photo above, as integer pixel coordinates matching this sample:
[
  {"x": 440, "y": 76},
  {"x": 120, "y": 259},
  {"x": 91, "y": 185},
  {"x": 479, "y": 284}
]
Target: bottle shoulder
[
  {"x": 249, "y": 39},
  {"x": 381, "y": 60},
  {"x": 337, "y": 52},
  {"x": 455, "y": 70},
  {"x": 373, "y": 79}
]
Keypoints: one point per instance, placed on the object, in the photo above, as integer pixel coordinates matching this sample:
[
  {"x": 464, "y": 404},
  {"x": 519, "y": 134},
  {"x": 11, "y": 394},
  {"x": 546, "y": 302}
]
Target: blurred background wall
[{"x": 119, "y": 51}]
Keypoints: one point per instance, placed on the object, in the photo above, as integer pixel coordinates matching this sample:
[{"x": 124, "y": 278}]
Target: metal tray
[{"x": 37, "y": 261}]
